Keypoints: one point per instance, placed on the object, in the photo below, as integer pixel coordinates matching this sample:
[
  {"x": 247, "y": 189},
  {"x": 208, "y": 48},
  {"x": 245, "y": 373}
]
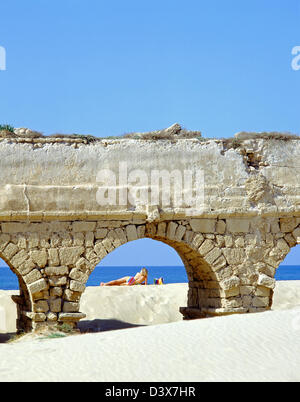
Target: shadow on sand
[
  {"x": 88, "y": 326},
  {"x": 104, "y": 325},
  {"x": 6, "y": 337}
]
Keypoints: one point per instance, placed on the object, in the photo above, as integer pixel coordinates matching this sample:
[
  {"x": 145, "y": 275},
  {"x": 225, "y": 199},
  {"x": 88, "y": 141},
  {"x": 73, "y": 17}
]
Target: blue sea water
[{"x": 175, "y": 274}]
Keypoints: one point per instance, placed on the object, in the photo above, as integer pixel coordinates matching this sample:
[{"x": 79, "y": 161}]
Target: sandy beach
[{"x": 136, "y": 334}]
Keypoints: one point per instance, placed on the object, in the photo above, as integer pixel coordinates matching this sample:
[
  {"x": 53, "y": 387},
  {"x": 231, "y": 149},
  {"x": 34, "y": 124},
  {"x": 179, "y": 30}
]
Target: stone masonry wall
[{"x": 230, "y": 263}]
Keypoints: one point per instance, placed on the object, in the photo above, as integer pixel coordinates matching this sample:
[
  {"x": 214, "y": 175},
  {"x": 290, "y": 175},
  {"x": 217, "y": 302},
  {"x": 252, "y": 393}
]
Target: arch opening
[
  {"x": 289, "y": 269},
  {"x": 203, "y": 295},
  {"x": 160, "y": 260},
  {"x": 12, "y": 289},
  {"x": 122, "y": 306},
  {"x": 287, "y": 289}
]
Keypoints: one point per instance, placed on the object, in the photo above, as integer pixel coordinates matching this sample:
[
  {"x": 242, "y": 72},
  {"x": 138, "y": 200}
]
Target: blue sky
[{"x": 111, "y": 67}]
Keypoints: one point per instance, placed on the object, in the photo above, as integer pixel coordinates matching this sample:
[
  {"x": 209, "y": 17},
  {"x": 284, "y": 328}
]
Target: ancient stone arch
[
  {"x": 230, "y": 263},
  {"x": 54, "y": 230}
]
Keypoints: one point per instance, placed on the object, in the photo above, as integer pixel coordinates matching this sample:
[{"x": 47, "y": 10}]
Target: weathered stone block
[
  {"x": 33, "y": 240},
  {"x": 188, "y": 236},
  {"x": 234, "y": 302},
  {"x": 247, "y": 301},
  {"x": 19, "y": 258},
  {"x": 55, "y": 240},
  {"x": 171, "y": 230},
  {"x": 288, "y": 224},
  {"x": 296, "y": 234},
  {"x": 79, "y": 238},
  {"x": 14, "y": 227},
  {"x": 196, "y": 241},
  {"x": 131, "y": 232},
  {"x": 100, "y": 250},
  {"x": 77, "y": 286},
  {"x": 89, "y": 239},
  {"x": 84, "y": 265},
  {"x": 213, "y": 255},
  {"x": 70, "y": 295},
  {"x": 234, "y": 256},
  {"x": 228, "y": 241},
  {"x": 289, "y": 238},
  {"x": 38, "y": 286},
  {"x": 180, "y": 231},
  {"x": 37, "y": 317},
  {"x": 233, "y": 292},
  {"x": 101, "y": 233},
  {"x": 83, "y": 226},
  {"x": 57, "y": 280},
  {"x": 282, "y": 245},
  {"x": 70, "y": 316},
  {"x": 26, "y": 267},
  {"x": 55, "y": 305},
  {"x": 39, "y": 257},
  {"x": 239, "y": 242},
  {"x": 247, "y": 290},
  {"x": 41, "y": 306},
  {"x": 203, "y": 225},
  {"x": 52, "y": 317},
  {"x": 56, "y": 291},
  {"x": 260, "y": 301},
  {"x": 266, "y": 281},
  {"x": 269, "y": 240},
  {"x": 4, "y": 240},
  {"x": 70, "y": 307},
  {"x": 230, "y": 283},
  {"x": 56, "y": 271},
  {"x": 140, "y": 231},
  {"x": 220, "y": 241},
  {"x": 22, "y": 242},
  {"x": 70, "y": 255},
  {"x": 206, "y": 246},
  {"x": 262, "y": 291},
  {"x": 120, "y": 234},
  {"x": 10, "y": 250},
  {"x": 66, "y": 239},
  {"x": 45, "y": 241},
  {"x": 221, "y": 227},
  {"x": 107, "y": 243},
  {"x": 219, "y": 263},
  {"x": 161, "y": 229},
  {"x": 78, "y": 275},
  {"x": 275, "y": 227},
  {"x": 238, "y": 225},
  {"x": 33, "y": 276},
  {"x": 53, "y": 257}
]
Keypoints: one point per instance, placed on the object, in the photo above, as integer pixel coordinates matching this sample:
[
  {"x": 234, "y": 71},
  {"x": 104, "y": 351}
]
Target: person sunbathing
[{"x": 139, "y": 279}]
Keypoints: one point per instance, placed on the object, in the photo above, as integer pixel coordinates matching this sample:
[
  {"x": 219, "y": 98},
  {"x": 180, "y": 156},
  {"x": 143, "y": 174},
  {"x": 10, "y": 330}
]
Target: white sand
[{"x": 252, "y": 347}]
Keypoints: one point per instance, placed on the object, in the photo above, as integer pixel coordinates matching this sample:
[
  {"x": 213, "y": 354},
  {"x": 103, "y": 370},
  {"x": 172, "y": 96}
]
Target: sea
[{"x": 170, "y": 274}]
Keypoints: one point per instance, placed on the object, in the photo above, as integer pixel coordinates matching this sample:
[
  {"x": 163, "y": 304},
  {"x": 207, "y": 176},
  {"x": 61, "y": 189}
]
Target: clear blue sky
[{"x": 110, "y": 67}]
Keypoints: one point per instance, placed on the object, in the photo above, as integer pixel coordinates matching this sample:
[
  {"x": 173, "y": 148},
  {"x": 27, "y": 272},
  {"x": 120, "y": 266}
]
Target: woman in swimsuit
[{"x": 139, "y": 278}]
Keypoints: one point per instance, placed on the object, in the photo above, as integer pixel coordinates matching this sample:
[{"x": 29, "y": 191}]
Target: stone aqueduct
[{"x": 54, "y": 231}]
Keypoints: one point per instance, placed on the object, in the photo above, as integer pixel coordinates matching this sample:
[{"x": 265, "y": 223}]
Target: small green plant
[
  {"x": 6, "y": 127},
  {"x": 65, "y": 328},
  {"x": 54, "y": 335}
]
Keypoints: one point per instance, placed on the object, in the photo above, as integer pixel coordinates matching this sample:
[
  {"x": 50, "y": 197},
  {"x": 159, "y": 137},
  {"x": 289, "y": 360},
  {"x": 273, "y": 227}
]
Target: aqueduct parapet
[{"x": 53, "y": 231}]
